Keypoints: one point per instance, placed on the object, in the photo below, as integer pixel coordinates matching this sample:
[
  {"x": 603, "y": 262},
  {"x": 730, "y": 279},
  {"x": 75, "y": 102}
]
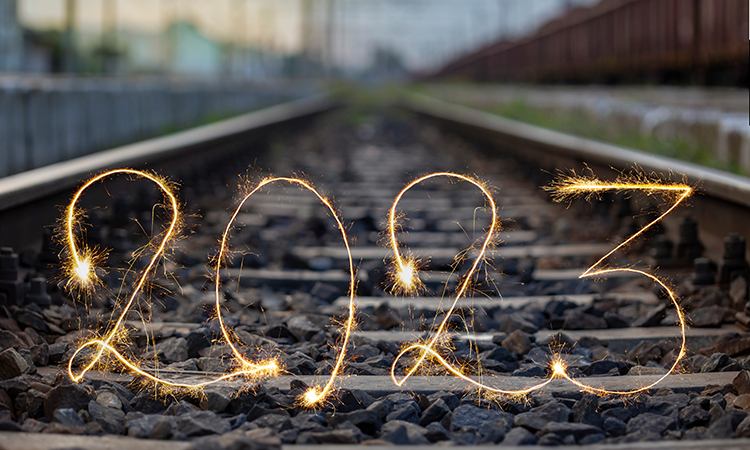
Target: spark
[
  {"x": 405, "y": 271},
  {"x": 569, "y": 187},
  {"x": 80, "y": 268},
  {"x": 564, "y": 189},
  {"x": 83, "y": 272},
  {"x": 316, "y": 394}
]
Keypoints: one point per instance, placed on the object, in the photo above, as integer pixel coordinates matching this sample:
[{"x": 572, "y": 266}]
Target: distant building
[
  {"x": 11, "y": 38},
  {"x": 191, "y": 53},
  {"x": 144, "y": 53}
]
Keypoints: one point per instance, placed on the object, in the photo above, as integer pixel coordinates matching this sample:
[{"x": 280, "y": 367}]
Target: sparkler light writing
[
  {"x": 404, "y": 274},
  {"x": 81, "y": 264},
  {"x": 405, "y": 277},
  {"x": 570, "y": 187},
  {"x": 316, "y": 394},
  {"x": 81, "y": 268}
]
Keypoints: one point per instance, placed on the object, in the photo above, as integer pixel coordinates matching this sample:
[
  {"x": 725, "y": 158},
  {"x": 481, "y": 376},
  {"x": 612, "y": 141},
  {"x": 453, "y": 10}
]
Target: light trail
[
  {"x": 316, "y": 394},
  {"x": 405, "y": 275},
  {"x": 570, "y": 187},
  {"x": 80, "y": 266},
  {"x": 406, "y": 279}
]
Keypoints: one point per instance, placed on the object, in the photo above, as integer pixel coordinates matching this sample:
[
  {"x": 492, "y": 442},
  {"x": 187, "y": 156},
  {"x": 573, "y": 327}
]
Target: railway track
[{"x": 284, "y": 295}]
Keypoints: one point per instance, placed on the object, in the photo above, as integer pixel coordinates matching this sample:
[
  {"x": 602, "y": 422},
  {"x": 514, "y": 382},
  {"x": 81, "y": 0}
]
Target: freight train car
[{"x": 699, "y": 41}]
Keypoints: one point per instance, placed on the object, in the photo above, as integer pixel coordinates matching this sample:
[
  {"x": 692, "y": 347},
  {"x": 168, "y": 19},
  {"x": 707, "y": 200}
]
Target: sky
[{"x": 424, "y": 33}]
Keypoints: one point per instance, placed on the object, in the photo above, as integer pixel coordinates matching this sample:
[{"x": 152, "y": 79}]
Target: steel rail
[
  {"x": 716, "y": 183},
  {"x": 34, "y": 184}
]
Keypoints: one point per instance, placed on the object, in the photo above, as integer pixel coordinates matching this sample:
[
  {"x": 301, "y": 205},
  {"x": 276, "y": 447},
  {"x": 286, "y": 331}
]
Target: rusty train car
[{"x": 696, "y": 41}]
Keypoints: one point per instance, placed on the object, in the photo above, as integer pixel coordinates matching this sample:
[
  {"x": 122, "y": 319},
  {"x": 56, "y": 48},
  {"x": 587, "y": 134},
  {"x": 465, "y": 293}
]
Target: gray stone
[
  {"x": 363, "y": 352},
  {"x": 9, "y": 425},
  {"x": 648, "y": 423},
  {"x": 715, "y": 363},
  {"x": 290, "y": 436},
  {"x": 742, "y": 382},
  {"x": 436, "y": 432},
  {"x": 300, "y": 364},
  {"x": 110, "y": 419},
  {"x": 146, "y": 403},
  {"x": 198, "y": 339},
  {"x": 36, "y": 426},
  {"x": 109, "y": 400},
  {"x": 482, "y": 418},
  {"x": 40, "y": 354},
  {"x": 262, "y": 440},
  {"x": 614, "y": 426},
  {"x": 258, "y": 439},
  {"x": 141, "y": 427},
  {"x": 215, "y": 399},
  {"x": 736, "y": 415},
  {"x": 466, "y": 436},
  {"x": 536, "y": 419},
  {"x": 434, "y": 412},
  {"x": 353, "y": 399},
  {"x": 342, "y": 436},
  {"x": 577, "y": 319},
  {"x": 618, "y": 412},
  {"x": 275, "y": 422},
  {"x": 667, "y": 405},
  {"x": 720, "y": 429},
  {"x": 16, "y": 385},
  {"x": 715, "y": 413},
  {"x": 581, "y": 432},
  {"x": 382, "y": 407},
  {"x": 31, "y": 403},
  {"x": 172, "y": 350},
  {"x": 407, "y": 413},
  {"x": 604, "y": 367},
  {"x": 309, "y": 421},
  {"x": 585, "y": 410},
  {"x": 242, "y": 402},
  {"x": 366, "y": 420},
  {"x": 517, "y": 437},
  {"x": 8, "y": 339},
  {"x": 707, "y": 316},
  {"x": 66, "y": 396},
  {"x": 259, "y": 411},
  {"x": 164, "y": 427},
  {"x": 57, "y": 351},
  {"x": 693, "y": 415},
  {"x": 498, "y": 354},
  {"x": 515, "y": 322},
  {"x": 743, "y": 429},
  {"x": 517, "y": 342},
  {"x": 12, "y": 364},
  {"x": 449, "y": 398},
  {"x": 302, "y": 328},
  {"x": 180, "y": 408},
  {"x": 652, "y": 318},
  {"x": 30, "y": 319},
  {"x": 68, "y": 416},
  {"x": 201, "y": 423},
  {"x": 403, "y": 433}
]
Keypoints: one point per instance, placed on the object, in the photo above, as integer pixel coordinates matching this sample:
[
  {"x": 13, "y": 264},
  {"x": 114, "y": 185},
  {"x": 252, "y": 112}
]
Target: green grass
[{"x": 580, "y": 124}]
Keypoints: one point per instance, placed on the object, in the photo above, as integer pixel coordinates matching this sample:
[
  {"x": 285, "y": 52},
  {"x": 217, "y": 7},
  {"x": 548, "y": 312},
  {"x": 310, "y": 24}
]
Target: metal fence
[{"x": 48, "y": 120}]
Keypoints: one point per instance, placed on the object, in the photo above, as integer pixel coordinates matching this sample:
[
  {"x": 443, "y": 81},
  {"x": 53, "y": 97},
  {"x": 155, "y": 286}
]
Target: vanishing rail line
[{"x": 532, "y": 267}]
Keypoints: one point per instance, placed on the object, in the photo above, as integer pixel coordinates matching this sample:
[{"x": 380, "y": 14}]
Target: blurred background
[
  {"x": 140, "y": 68},
  {"x": 260, "y": 38}
]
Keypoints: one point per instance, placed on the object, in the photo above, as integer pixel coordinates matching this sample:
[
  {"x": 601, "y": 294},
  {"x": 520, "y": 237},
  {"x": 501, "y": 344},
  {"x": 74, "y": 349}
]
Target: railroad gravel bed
[{"x": 277, "y": 309}]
